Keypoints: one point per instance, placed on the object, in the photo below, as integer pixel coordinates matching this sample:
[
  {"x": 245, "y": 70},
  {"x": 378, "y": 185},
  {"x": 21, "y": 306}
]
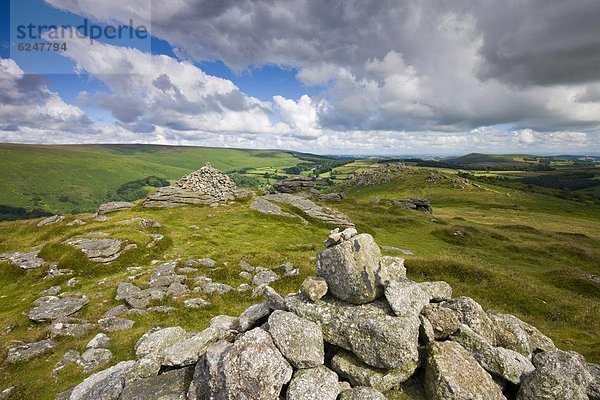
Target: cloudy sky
[{"x": 360, "y": 77}]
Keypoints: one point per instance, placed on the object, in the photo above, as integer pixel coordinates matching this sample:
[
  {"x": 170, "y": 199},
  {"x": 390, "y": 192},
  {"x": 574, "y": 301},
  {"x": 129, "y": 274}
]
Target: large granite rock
[
  {"x": 514, "y": 334},
  {"x": 28, "y": 351},
  {"x": 101, "y": 250},
  {"x": 114, "y": 206},
  {"x": 206, "y": 186},
  {"x": 25, "y": 261},
  {"x": 319, "y": 383},
  {"x": 103, "y": 385},
  {"x": 171, "y": 385},
  {"x": 53, "y": 307},
  {"x": 451, "y": 373},
  {"x": 299, "y": 340},
  {"x": 370, "y": 331},
  {"x": 350, "y": 269},
  {"x": 251, "y": 368},
  {"x": 559, "y": 375},
  {"x": 293, "y": 184},
  {"x": 472, "y": 314},
  {"x": 155, "y": 341},
  {"x": 406, "y": 298},
  {"x": 503, "y": 363},
  {"x": 189, "y": 351},
  {"x": 443, "y": 320}
]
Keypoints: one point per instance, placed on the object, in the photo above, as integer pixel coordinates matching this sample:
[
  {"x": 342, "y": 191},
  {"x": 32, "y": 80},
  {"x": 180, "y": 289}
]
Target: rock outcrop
[
  {"x": 25, "y": 261},
  {"x": 359, "y": 329},
  {"x": 293, "y": 184},
  {"x": 417, "y": 204},
  {"x": 114, "y": 206},
  {"x": 206, "y": 186},
  {"x": 101, "y": 250}
]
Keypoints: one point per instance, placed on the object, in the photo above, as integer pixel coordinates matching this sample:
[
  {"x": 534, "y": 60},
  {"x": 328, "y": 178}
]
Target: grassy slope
[
  {"x": 519, "y": 253},
  {"x": 87, "y": 173}
]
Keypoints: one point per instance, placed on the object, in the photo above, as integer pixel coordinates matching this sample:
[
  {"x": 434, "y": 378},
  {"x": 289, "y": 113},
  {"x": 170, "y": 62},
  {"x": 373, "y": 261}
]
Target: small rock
[
  {"x": 244, "y": 287},
  {"x": 72, "y": 282},
  {"x": 444, "y": 321},
  {"x": 114, "y": 206},
  {"x": 187, "y": 270},
  {"x": 314, "y": 288},
  {"x": 28, "y": 351},
  {"x": 6, "y": 393},
  {"x": 114, "y": 324},
  {"x": 177, "y": 289},
  {"x": 265, "y": 277},
  {"x": 196, "y": 303},
  {"x": 470, "y": 313},
  {"x": 51, "y": 220},
  {"x": 53, "y": 291},
  {"x": 148, "y": 223},
  {"x": 69, "y": 327},
  {"x": 52, "y": 307},
  {"x": 92, "y": 359},
  {"x": 215, "y": 287},
  {"x": 246, "y": 275},
  {"x": 115, "y": 311},
  {"x": 207, "y": 262},
  {"x": 274, "y": 299},
  {"x": 99, "y": 341}
]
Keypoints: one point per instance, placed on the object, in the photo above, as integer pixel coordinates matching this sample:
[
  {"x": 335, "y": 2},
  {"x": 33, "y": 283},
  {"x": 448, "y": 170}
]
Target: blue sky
[{"x": 349, "y": 77}]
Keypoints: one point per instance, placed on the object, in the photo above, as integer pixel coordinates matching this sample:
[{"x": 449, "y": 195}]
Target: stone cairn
[
  {"x": 358, "y": 329},
  {"x": 206, "y": 186}
]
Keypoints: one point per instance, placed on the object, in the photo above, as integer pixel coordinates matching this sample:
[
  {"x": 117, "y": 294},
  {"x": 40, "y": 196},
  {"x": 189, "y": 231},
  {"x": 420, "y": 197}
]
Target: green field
[
  {"x": 515, "y": 251},
  {"x": 72, "y": 179}
]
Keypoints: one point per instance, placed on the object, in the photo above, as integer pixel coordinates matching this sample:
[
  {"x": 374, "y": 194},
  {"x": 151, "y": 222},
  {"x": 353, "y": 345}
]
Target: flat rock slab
[
  {"x": 114, "y": 324},
  {"x": 170, "y": 385},
  {"x": 325, "y": 214},
  {"x": 114, "y": 206},
  {"x": 101, "y": 250},
  {"x": 25, "y": 261},
  {"x": 52, "y": 307},
  {"x": 51, "y": 220},
  {"x": 28, "y": 351}
]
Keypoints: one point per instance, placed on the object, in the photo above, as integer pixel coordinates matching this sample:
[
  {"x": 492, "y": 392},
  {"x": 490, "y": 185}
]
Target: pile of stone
[
  {"x": 378, "y": 175},
  {"x": 357, "y": 329},
  {"x": 206, "y": 186},
  {"x": 293, "y": 184},
  {"x": 417, "y": 204}
]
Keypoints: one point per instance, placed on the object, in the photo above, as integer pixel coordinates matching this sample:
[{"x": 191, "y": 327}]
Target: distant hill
[
  {"x": 479, "y": 158},
  {"x": 76, "y": 178}
]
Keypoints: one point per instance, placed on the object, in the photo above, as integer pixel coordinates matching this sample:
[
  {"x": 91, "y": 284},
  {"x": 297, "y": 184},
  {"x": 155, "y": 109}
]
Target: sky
[{"x": 365, "y": 77}]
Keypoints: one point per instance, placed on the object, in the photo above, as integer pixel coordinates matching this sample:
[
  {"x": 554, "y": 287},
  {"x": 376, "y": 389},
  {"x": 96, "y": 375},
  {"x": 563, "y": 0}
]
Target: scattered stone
[
  {"x": 265, "y": 277},
  {"x": 71, "y": 356},
  {"x": 293, "y": 184},
  {"x": 28, "y": 351},
  {"x": 207, "y": 262},
  {"x": 115, "y": 311},
  {"x": 215, "y": 287},
  {"x": 155, "y": 239},
  {"x": 452, "y": 373},
  {"x": 444, "y": 321},
  {"x": 437, "y": 291},
  {"x": 299, "y": 340},
  {"x": 349, "y": 269},
  {"x": 101, "y": 218},
  {"x": 54, "y": 272},
  {"x": 114, "y": 206},
  {"x": 6, "y": 393},
  {"x": 102, "y": 250},
  {"x": 319, "y": 383},
  {"x": 164, "y": 275},
  {"x": 53, "y": 291},
  {"x": 187, "y": 270},
  {"x": 98, "y": 341},
  {"x": 177, "y": 289},
  {"x": 52, "y": 307},
  {"x": 244, "y": 287},
  {"x": 331, "y": 196},
  {"x": 251, "y": 368},
  {"x": 285, "y": 268},
  {"x": 51, "y": 220},
  {"x": 314, "y": 288},
  {"x": 196, "y": 303},
  {"x": 161, "y": 309},
  {"x": 76, "y": 222},
  {"x": 148, "y": 223},
  {"x": 114, "y": 324},
  {"x": 25, "y": 261},
  {"x": 69, "y": 327},
  {"x": 103, "y": 385},
  {"x": 92, "y": 359},
  {"x": 406, "y": 298},
  {"x": 246, "y": 275},
  {"x": 170, "y": 385},
  {"x": 362, "y": 393},
  {"x": 72, "y": 282}
]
